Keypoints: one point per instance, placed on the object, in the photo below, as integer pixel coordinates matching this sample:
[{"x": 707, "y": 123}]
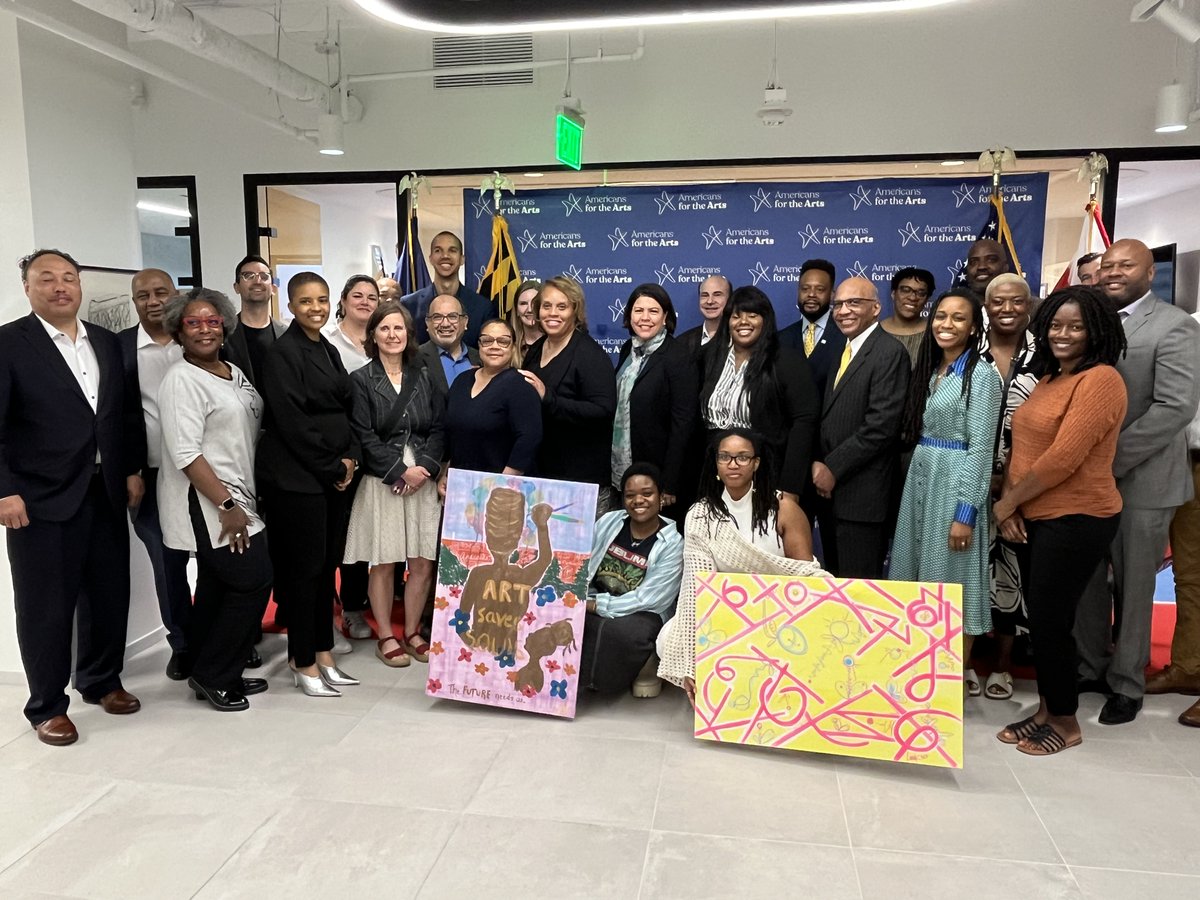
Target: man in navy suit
[
  {"x": 71, "y": 454},
  {"x": 446, "y": 257},
  {"x": 815, "y": 335}
]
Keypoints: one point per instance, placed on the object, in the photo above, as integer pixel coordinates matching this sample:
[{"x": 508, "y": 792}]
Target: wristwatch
[{"x": 227, "y": 504}]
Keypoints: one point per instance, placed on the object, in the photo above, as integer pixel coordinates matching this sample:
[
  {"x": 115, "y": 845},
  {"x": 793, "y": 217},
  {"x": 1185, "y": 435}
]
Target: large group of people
[{"x": 1037, "y": 453}]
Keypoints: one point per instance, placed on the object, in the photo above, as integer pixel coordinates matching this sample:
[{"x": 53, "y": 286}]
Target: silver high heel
[
  {"x": 335, "y": 677},
  {"x": 313, "y": 686}
]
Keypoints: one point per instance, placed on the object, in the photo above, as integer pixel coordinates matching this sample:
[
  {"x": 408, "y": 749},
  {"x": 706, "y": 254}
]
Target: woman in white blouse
[
  {"x": 211, "y": 416},
  {"x": 738, "y": 524}
]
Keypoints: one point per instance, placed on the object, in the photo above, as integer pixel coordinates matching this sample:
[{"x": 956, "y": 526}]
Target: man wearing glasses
[
  {"x": 857, "y": 453},
  {"x": 247, "y": 345},
  {"x": 444, "y": 354},
  {"x": 446, "y": 258}
]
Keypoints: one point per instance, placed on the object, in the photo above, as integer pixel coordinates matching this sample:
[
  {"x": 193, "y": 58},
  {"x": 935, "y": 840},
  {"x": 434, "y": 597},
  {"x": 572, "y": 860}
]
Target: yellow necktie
[
  {"x": 810, "y": 338},
  {"x": 842, "y": 365}
]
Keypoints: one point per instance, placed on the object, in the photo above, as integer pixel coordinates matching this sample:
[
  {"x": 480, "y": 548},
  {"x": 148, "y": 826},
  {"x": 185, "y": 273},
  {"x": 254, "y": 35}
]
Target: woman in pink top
[{"x": 1060, "y": 501}]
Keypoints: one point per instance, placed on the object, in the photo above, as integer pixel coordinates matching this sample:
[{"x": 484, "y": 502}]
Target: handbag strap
[{"x": 403, "y": 398}]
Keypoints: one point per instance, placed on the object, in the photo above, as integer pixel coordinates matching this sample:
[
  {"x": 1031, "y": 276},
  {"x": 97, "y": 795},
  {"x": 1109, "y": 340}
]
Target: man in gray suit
[
  {"x": 858, "y": 451},
  {"x": 1153, "y": 475},
  {"x": 445, "y": 354}
]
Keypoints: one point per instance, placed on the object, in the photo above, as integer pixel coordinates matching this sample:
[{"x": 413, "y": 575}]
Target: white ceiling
[{"x": 1141, "y": 182}]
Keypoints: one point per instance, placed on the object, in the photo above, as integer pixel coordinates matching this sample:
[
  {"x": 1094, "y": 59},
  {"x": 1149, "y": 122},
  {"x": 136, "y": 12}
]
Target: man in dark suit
[
  {"x": 714, "y": 294},
  {"x": 444, "y": 354},
  {"x": 815, "y": 335},
  {"x": 71, "y": 453},
  {"x": 446, "y": 257},
  {"x": 1153, "y": 473},
  {"x": 247, "y": 345},
  {"x": 860, "y": 427},
  {"x": 148, "y": 352},
  {"x": 985, "y": 260}
]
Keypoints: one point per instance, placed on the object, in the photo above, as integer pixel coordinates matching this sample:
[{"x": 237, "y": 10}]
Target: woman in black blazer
[
  {"x": 749, "y": 381},
  {"x": 306, "y": 459},
  {"x": 574, "y": 379},
  {"x": 657, "y": 385}
]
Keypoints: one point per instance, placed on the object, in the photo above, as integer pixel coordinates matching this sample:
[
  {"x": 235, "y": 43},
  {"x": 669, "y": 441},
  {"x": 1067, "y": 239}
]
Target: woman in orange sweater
[{"x": 1060, "y": 499}]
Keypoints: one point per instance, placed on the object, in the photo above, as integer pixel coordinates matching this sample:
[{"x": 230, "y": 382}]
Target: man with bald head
[
  {"x": 714, "y": 293},
  {"x": 444, "y": 353},
  {"x": 985, "y": 260},
  {"x": 858, "y": 449},
  {"x": 1153, "y": 475},
  {"x": 147, "y": 352}
]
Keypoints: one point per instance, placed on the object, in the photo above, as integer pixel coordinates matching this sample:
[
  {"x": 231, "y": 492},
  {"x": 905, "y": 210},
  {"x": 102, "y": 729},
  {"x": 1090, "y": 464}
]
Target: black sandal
[
  {"x": 1045, "y": 741},
  {"x": 1017, "y": 731}
]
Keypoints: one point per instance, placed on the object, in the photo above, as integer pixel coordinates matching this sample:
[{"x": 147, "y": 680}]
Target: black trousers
[
  {"x": 231, "y": 594},
  {"x": 852, "y": 549},
  {"x": 352, "y": 588},
  {"x": 1056, "y": 565},
  {"x": 63, "y": 571},
  {"x": 169, "y": 566},
  {"x": 614, "y": 650},
  {"x": 308, "y": 535}
]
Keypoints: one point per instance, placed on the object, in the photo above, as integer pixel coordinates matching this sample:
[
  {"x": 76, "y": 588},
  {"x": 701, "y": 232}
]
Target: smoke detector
[{"x": 774, "y": 109}]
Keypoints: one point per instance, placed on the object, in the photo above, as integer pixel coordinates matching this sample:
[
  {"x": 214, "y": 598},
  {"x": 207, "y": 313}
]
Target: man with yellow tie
[
  {"x": 815, "y": 334},
  {"x": 858, "y": 451}
]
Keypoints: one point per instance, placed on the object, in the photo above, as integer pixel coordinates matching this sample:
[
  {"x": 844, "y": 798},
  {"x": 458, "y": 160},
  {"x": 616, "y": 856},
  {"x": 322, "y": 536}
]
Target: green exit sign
[{"x": 568, "y": 141}]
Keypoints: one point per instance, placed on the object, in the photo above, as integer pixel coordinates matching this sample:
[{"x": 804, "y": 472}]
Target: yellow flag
[{"x": 502, "y": 277}]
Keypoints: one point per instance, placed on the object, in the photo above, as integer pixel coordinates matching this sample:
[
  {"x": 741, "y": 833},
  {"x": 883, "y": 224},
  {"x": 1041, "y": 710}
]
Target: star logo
[
  {"x": 760, "y": 274},
  {"x": 963, "y": 194},
  {"x": 528, "y": 239},
  {"x": 618, "y": 238},
  {"x": 908, "y": 233},
  {"x": 482, "y": 271},
  {"x": 664, "y": 273},
  {"x": 861, "y": 196},
  {"x": 809, "y": 236},
  {"x": 958, "y": 272},
  {"x": 762, "y": 198},
  {"x": 481, "y": 207},
  {"x": 991, "y": 227},
  {"x": 571, "y": 204},
  {"x": 858, "y": 270},
  {"x": 665, "y": 201},
  {"x": 574, "y": 274},
  {"x": 712, "y": 236},
  {"x": 617, "y": 308}
]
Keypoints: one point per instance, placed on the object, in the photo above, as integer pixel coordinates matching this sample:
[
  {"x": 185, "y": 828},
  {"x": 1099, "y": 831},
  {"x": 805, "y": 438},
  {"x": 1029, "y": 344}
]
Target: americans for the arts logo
[
  {"x": 664, "y": 274},
  {"x": 908, "y": 233},
  {"x": 861, "y": 197},
  {"x": 762, "y": 199},
  {"x": 665, "y": 201},
  {"x": 857, "y": 270},
  {"x": 481, "y": 207},
  {"x": 809, "y": 235},
  {"x": 759, "y": 274},
  {"x": 711, "y": 237},
  {"x": 964, "y": 193},
  {"x": 571, "y": 204},
  {"x": 527, "y": 240},
  {"x": 619, "y": 238},
  {"x": 573, "y": 272}
]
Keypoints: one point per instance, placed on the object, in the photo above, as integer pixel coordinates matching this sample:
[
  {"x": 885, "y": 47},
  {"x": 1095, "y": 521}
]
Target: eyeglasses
[
  {"x": 850, "y": 303},
  {"x": 255, "y": 276},
  {"x": 504, "y": 342},
  {"x": 905, "y": 291},
  {"x": 194, "y": 322},
  {"x": 736, "y": 460},
  {"x": 438, "y": 318}
]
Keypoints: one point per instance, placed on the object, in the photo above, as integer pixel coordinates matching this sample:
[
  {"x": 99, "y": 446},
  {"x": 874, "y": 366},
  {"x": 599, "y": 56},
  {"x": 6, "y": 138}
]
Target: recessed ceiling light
[
  {"x": 534, "y": 174},
  {"x": 954, "y": 162}
]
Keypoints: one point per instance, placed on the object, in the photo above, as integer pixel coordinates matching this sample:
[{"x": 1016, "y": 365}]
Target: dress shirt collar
[
  {"x": 856, "y": 343},
  {"x": 462, "y": 351},
  {"x": 1126, "y": 311},
  {"x": 144, "y": 339},
  {"x": 53, "y": 332}
]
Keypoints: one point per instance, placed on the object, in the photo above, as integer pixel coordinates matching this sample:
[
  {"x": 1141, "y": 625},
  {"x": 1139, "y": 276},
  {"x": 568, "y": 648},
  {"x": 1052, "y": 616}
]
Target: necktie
[
  {"x": 842, "y": 365},
  {"x": 810, "y": 338}
]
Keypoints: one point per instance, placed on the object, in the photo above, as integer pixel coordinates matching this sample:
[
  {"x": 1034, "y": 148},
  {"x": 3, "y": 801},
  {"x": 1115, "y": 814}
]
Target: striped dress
[{"x": 951, "y": 465}]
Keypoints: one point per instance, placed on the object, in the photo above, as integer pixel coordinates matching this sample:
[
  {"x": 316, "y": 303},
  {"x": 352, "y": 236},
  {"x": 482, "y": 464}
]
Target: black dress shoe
[
  {"x": 225, "y": 701},
  {"x": 1092, "y": 686},
  {"x": 253, "y": 661},
  {"x": 179, "y": 666},
  {"x": 253, "y": 686},
  {"x": 1119, "y": 709}
]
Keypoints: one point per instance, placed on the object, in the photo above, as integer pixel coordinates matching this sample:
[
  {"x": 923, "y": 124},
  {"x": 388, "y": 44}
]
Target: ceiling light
[
  {"x": 1173, "y": 108},
  {"x": 148, "y": 206},
  {"x": 390, "y": 10},
  {"x": 954, "y": 162},
  {"x": 1175, "y": 19},
  {"x": 330, "y": 135},
  {"x": 534, "y": 174}
]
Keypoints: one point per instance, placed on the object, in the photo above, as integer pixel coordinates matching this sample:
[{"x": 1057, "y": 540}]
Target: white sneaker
[
  {"x": 356, "y": 625},
  {"x": 340, "y": 644}
]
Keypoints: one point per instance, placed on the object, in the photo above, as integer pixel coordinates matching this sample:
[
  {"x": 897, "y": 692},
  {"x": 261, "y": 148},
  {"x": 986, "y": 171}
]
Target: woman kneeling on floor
[{"x": 633, "y": 580}]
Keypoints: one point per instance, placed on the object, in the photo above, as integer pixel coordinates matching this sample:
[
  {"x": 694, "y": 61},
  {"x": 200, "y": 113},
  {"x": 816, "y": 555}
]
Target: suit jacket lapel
[
  {"x": 859, "y": 360},
  {"x": 1141, "y": 315},
  {"x": 42, "y": 342},
  {"x": 654, "y": 359}
]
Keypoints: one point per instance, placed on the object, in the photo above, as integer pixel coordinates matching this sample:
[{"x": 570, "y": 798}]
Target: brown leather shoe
[
  {"x": 118, "y": 703},
  {"x": 1173, "y": 681},
  {"x": 1191, "y": 715},
  {"x": 57, "y": 732}
]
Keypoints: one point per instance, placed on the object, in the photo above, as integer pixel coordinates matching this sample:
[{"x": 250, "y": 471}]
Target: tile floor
[{"x": 386, "y": 793}]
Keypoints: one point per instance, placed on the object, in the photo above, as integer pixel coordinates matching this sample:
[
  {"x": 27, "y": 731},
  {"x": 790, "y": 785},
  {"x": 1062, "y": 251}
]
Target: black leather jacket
[{"x": 418, "y": 426}]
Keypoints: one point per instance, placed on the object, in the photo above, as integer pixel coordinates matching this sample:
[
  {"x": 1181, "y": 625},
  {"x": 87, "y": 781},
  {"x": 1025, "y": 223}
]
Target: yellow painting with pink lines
[{"x": 848, "y": 666}]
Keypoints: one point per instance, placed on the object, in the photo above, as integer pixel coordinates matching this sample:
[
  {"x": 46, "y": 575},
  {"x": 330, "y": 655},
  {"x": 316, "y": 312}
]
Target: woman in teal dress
[{"x": 950, "y": 420}]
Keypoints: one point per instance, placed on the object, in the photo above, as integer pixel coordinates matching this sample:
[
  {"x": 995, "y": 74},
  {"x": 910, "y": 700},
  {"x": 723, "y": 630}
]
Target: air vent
[{"x": 505, "y": 52}]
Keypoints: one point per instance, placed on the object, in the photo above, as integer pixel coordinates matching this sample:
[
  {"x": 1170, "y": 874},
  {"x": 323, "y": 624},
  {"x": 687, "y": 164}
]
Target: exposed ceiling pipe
[
  {"x": 91, "y": 42},
  {"x": 598, "y": 57},
  {"x": 176, "y": 24}
]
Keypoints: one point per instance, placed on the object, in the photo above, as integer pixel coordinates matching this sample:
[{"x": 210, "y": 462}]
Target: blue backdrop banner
[{"x": 613, "y": 239}]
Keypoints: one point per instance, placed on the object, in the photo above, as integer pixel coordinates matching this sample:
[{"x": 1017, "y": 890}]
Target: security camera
[
  {"x": 1168, "y": 14},
  {"x": 774, "y": 109}
]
